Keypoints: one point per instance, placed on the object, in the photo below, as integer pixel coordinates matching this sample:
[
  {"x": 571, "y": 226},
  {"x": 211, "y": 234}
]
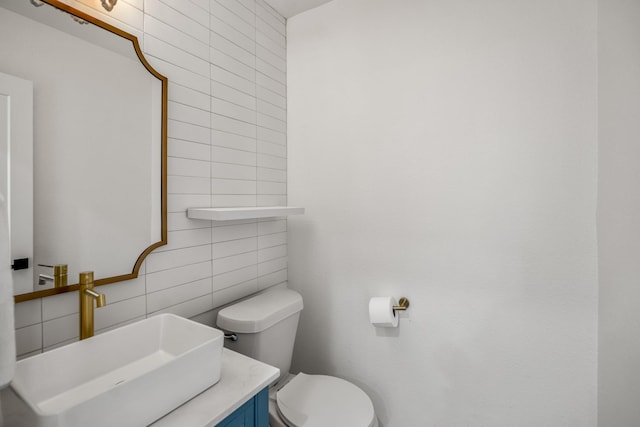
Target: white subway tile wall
[{"x": 226, "y": 65}]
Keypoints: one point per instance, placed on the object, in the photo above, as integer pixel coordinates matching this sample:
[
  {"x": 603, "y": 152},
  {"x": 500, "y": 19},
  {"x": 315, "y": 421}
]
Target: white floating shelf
[{"x": 228, "y": 214}]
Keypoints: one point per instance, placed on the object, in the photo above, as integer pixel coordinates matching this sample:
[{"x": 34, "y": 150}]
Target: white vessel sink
[{"x": 129, "y": 376}]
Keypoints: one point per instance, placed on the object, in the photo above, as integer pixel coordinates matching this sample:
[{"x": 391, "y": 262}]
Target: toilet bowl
[
  {"x": 266, "y": 328},
  {"x": 319, "y": 401}
]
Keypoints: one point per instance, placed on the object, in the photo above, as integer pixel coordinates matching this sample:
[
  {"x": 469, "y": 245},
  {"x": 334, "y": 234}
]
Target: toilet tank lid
[{"x": 260, "y": 312}]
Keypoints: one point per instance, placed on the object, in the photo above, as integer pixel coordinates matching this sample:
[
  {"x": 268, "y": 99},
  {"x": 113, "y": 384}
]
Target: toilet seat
[{"x": 321, "y": 401}]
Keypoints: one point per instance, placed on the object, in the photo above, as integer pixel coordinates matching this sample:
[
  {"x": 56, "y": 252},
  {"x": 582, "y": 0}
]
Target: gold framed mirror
[{"x": 100, "y": 158}]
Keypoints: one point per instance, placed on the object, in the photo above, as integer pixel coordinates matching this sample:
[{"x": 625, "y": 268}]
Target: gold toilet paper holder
[{"x": 403, "y": 304}]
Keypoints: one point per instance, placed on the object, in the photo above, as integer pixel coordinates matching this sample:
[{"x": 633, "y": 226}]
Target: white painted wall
[
  {"x": 619, "y": 213},
  {"x": 225, "y": 60},
  {"x": 446, "y": 151}
]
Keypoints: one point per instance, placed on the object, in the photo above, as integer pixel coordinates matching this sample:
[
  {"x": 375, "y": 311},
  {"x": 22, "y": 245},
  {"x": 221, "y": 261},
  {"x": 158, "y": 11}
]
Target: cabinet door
[
  {"x": 254, "y": 413},
  {"x": 240, "y": 418},
  {"x": 262, "y": 408}
]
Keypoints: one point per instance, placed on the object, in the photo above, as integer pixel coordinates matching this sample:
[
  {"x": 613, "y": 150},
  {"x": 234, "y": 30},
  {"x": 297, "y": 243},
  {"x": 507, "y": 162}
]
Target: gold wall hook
[{"x": 403, "y": 304}]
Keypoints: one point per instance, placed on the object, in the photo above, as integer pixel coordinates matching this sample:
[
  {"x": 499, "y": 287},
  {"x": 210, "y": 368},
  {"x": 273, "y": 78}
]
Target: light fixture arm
[{"x": 109, "y": 4}]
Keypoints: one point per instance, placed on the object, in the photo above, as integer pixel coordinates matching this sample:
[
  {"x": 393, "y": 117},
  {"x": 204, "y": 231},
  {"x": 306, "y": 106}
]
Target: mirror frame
[{"x": 163, "y": 167}]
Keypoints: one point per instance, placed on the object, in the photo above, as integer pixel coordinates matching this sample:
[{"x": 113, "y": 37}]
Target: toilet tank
[{"x": 266, "y": 326}]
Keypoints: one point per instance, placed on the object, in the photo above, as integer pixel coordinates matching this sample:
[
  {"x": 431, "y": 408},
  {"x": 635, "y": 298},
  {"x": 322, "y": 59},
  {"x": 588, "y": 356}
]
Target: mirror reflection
[{"x": 98, "y": 146}]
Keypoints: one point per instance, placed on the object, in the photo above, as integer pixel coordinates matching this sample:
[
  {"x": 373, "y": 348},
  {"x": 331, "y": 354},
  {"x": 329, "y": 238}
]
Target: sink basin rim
[{"x": 178, "y": 357}]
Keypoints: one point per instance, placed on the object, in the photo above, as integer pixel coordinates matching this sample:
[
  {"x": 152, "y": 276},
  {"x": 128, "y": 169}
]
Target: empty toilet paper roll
[{"x": 381, "y": 312}]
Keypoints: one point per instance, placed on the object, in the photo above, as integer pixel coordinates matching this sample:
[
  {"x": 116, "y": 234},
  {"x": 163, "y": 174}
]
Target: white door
[{"x": 16, "y": 171}]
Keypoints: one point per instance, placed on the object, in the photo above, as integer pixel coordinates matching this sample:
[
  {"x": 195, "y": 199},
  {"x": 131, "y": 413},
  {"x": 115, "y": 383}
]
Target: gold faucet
[
  {"x": 59, "y": 277},
  {"x": 87, "y": 297}
]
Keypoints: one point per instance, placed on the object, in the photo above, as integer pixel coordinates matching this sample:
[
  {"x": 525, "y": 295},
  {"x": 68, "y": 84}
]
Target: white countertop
[{"x": 241, "y": 378}]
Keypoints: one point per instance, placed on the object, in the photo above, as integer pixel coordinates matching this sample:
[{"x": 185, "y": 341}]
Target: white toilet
[{"x": 266, "y": 329}]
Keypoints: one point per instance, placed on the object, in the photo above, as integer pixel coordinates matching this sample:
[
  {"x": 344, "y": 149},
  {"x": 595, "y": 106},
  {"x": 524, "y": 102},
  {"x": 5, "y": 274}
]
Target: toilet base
[{"x": 274, "y": 416}]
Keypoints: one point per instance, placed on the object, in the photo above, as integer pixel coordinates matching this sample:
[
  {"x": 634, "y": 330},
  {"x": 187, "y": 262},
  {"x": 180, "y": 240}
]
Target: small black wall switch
[{"x": 20, "y": 264}]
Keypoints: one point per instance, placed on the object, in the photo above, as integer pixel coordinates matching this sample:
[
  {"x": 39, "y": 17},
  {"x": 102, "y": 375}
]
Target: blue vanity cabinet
[{"x": 254, "y": 413}]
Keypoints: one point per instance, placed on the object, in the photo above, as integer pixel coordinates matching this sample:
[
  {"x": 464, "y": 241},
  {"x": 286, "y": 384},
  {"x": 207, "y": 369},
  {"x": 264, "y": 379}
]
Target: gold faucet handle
[{"x": 101, "y": 299}]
